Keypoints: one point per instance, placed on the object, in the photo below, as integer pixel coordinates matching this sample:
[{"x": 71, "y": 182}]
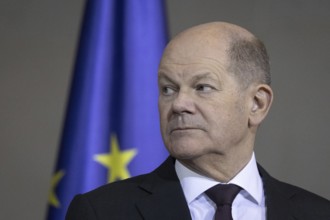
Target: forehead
[
  {"x": 195, "y": 47},
  {"x": 191, "y": 68},
  {"x": 195, "y": 52},
  {"x": 185, "y": 64}
]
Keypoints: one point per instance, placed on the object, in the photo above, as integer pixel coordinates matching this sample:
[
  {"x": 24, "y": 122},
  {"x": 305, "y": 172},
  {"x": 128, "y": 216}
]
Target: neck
[{"x": 219, "y": 167}]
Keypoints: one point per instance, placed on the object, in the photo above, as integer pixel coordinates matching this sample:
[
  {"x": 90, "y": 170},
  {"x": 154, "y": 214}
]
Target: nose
[{"x": 183, "y": 103}]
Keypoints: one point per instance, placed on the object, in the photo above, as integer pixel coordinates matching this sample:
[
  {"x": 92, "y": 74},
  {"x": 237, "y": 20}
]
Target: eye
[
  {"x": 204, "y": 88},
  {"x": 167, "y": 91}
]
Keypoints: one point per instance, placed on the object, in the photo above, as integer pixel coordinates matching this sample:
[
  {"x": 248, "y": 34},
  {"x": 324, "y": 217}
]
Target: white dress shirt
[{"x": 249, "y": 204}]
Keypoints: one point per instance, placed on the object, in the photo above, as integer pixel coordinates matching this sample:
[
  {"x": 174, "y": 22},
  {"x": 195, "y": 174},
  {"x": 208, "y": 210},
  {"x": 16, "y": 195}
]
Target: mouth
[{"x": 183, "y": 129}]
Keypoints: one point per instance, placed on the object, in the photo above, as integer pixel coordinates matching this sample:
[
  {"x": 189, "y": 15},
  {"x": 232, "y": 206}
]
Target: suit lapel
[
  {"x": 277, "y": 198},
  {"x": 166, "y": 199}
]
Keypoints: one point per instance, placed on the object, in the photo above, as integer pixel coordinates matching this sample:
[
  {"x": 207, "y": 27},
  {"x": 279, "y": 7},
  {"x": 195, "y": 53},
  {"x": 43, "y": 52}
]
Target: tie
[{"x": 223, "y": 196}]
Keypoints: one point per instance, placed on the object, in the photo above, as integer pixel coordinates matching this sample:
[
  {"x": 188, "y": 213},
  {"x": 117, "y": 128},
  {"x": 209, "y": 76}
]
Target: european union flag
[{"x": 111, "y": 129}]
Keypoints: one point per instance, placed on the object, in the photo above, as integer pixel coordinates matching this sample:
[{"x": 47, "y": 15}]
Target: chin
[{"x": 184, "y": 151}]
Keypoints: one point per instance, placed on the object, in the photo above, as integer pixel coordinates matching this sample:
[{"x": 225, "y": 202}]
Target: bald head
[{"x": 239, "y": 51}]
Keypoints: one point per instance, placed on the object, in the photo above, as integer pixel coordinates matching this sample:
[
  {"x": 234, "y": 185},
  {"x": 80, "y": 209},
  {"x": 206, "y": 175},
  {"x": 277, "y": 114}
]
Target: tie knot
[{"x": 223, "y": 194}]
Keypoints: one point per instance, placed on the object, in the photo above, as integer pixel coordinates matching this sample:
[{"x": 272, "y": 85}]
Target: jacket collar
[
  {"x": 166, "y": 199},
  {"x": 277, "y": 197}
]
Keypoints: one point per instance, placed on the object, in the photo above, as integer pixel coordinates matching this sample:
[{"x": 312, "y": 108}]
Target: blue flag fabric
[{"x": 111, "y": 129}]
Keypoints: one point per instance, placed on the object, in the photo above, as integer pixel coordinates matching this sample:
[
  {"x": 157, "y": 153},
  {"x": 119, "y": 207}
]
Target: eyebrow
[
  {"x": 199, "y": 76},
  {"x": 162, "y": 76}
]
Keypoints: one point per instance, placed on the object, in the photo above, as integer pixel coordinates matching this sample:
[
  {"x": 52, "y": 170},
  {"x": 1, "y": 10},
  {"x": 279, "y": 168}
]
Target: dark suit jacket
[{"x": 159, "y": 195}]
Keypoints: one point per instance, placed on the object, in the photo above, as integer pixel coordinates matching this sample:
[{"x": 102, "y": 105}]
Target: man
[{"x": 214, "y": 92}]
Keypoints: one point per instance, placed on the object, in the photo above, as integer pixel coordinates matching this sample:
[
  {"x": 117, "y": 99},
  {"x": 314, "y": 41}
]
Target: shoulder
[
  {"x": 114, "y": 199},
  {"x": 307, "y": 205},
  {"x": 119, "y": 192},
  {"x": 135, "y": 187},
  {"x": 300, "y": 201},
  {"x": 304, "y": 198},
  {"x": 119, "y": 199}
]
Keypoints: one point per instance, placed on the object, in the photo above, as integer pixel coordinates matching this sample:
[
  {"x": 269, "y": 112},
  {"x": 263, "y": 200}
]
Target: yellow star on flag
[
  {"x": 116, "y": 161},
  {"x": 52, "y": 198}
]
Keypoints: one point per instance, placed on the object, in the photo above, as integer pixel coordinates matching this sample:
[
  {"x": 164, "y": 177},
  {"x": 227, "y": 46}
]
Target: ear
[{"x": 262, "y": 98}]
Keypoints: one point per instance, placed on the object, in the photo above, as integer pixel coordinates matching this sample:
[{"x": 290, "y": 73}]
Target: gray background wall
[{"x": 37, "y": 49}]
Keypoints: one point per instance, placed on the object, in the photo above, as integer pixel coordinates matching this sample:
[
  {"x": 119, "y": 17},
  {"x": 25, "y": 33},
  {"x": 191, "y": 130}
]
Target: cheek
[
  {"x": 163, "y": 116},
  {"x": 224, "y": 120}
]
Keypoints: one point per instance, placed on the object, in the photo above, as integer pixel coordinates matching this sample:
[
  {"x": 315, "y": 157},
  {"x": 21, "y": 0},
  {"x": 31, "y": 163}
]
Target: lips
[
  {"x": 184, "y": 123},
  {"x": 182, "y": 128}
]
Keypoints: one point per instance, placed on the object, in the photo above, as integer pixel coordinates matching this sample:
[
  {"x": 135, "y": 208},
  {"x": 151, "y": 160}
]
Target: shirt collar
[{"x": 194, "y": 184}]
